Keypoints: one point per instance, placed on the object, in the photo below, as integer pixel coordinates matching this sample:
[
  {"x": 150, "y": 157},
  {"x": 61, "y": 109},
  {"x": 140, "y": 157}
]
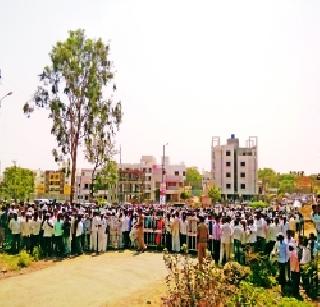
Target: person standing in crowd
[
  {"x": 175, "y": 233},
  {"x": 139, "y": 227},
  {"x": 67, "y": 236},
  {"x": 58, "y": 227},
  {"x": 35, "y": 231},
  {"x": 294, "y": 270},
  {"x": 86, "y": 230},
  {"x": 3, "y": 226},
  {"x": 183, "y": 230},
  {"x": 292, "y": 225},
  {"x": 47, "y": 236},
  {"x": 226, "y": 234},
  {"x": 237, "y": 233},
  {"x": 216, "y": 239},
  {"x": 202, "y": 238},
  {"x": 125, "y": 229},
  {"x": 78, "y": 226},
  {"x": 283, "y": 258},
  {"x": 168, "y": 232},
  {"x": 25, "y": 233},
  {"x": 261, "y": 233},
  {"x": 14, "y": 226}
]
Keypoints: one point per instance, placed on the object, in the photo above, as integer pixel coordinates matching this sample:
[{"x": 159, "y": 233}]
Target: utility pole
[
  {"x": 119, "y": 178},
  {"x": 163, "y": 170},
  {"x": 15, "y": 180}
]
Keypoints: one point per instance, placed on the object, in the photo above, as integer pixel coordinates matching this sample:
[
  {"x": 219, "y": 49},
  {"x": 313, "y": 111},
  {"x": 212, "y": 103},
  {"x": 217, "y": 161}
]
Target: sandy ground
[{"x": 111, "y": 279}]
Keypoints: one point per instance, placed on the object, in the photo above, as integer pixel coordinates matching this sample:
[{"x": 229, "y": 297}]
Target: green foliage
[
  {"x": 269, "y": 178},
  {"x": 78, "y": 91},
  {"x": 286, "y": 183},
  {"x": 18, "y": 183},
  {"x": 193, "y": 178},
  {"x": 107, "y": 177},
  {"x": 258, "y": 204},
  {"x": 24, "y": 259},
  {"x": 234, "y": 272},
  {"x": 215, "y": 194},
  {"x": 250, "y": 295},
  {"x": 36, "y": 254},
  {"x": 262, "y": 271},
  {"x": 15, "y": 262},
  {"x": 185, "y": 195}
]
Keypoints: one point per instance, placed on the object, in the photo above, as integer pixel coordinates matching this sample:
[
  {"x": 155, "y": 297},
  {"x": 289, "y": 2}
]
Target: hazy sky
[{"x": 186, "y": 70}]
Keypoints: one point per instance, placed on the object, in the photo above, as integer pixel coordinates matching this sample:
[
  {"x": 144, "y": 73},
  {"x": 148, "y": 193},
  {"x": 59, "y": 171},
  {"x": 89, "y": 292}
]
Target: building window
[
  {"x": 242, "y": 175},
  {"x": 228, "y": 163},
  {"x": 150, "y": 170},
  {"x": 228, "y": 186},
  {"x": 86, "y": 197},
  {"x": 163, "y": 172},
  {"x": 228, "y": 174},
  {"x": 184, "y": 173},
  {"x": 176, "y": 173},
  {"x": 228, "y": 153},
  {"x": 242, "y": 186},
  {"x": 86, "y": 186},
  {"x": 242, "y": 163}
]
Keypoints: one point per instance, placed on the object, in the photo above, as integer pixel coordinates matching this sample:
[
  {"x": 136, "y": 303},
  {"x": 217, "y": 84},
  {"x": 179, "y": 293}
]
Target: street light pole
[
  {"x": 163, "y": 169},
  {"x": 6, "y": 95}
]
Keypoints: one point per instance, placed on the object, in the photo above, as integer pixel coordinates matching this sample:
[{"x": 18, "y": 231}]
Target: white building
[
  {"x": 141, "y": 181},
  {"x": 83, "y": 188},
  {"x": 235, "y": 168}
]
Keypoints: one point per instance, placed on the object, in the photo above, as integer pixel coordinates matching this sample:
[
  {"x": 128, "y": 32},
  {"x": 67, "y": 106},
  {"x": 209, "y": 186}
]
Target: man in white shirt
[
  {"x": 237, "y": 234},
  {"x": 226, "y": 233},
  {"x": 25, "y": 228},
  {"x": 175, "y": 233},
  {"x": 35, "y": 231},
  {"x": 125, "y": 229},
  {"x": 14, "y": 226},
  {"x": 261, "y": 233},
  {"x": 48, "y": 231}
]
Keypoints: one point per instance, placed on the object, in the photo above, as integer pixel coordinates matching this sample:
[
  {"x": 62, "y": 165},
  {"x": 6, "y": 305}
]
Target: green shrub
[
  {"x": 249, "y": 295},
  {"x": 36, "y": 254},
  {"x": 235, "y": 272},
  {"x": 258, "y": 204},
  {"x": 262, "y": 271},
  {"x": 24, "y": 259},
  {"x": 9, "y": 262}
]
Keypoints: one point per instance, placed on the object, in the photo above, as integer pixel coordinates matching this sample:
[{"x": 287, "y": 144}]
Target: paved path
[{"x": 85, "y": 281}]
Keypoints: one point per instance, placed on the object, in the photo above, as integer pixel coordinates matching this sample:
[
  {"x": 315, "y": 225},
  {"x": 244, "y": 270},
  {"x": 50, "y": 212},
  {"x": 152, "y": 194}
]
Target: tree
[
  {"x": 78, "y": 91},
  {"x": 269, "y": 178},
  {"x": 185, "y": 195},
  {"x": 106, "y": 178},
  {"x": 214, "y": 194},
  {"x": 193, "y": 178},
  {"x": 18, "y": 183},
  {"x": 286, "y": 183}
]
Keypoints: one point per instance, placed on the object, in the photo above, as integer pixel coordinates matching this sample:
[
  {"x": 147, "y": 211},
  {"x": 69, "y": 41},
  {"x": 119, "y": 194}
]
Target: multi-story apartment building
[
  {"x": 235, "y": 168},
  {"x": 54, "y": 183},
  {"x": 84, "y": 184},
  {"x": 142, "y": 181}
]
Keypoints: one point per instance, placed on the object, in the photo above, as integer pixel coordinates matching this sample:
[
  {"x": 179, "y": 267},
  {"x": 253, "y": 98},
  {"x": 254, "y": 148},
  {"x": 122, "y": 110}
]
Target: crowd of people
[{"x": 61, "y": 230}]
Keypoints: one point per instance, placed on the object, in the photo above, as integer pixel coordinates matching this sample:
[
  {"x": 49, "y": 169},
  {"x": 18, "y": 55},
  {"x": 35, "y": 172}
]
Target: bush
[
  {"x": 262, "y": 271},
  {"x": 36, "y": 254},
  {"x": 9, "y": 262},
  {"x": 24, "y": 259},
  {"x": 235, "y": 272},
  {"x": 258, "y": 205},
  {"x": 249, "y": 295}
]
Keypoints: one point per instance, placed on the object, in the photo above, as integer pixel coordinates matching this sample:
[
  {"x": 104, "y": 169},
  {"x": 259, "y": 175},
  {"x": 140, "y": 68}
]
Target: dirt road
[{"x": 111, "y": 279}]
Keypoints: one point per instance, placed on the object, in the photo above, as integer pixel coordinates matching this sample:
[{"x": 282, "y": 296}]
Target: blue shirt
[{"x": 283, "y": 253}]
